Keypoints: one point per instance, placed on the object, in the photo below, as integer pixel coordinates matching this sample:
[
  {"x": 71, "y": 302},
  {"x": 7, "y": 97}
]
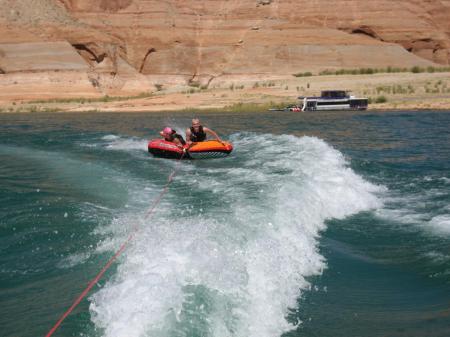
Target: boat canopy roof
[
  {"x": 334, "y": 94},
  {"x": 330, "y": 94}
]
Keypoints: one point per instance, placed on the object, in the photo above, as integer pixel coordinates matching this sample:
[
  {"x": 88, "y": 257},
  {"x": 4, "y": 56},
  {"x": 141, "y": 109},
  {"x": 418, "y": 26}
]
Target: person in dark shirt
[
  {"x": 172, "y": 136},
  {"x": 198, "y": 133}
]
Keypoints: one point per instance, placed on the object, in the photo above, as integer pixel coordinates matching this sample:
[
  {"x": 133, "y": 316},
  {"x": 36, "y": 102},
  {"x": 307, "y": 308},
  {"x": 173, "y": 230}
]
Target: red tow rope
[{"x": 117, "y": 254}]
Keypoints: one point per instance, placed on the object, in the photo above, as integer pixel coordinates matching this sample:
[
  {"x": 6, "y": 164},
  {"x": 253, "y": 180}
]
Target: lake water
[{"x": 318, "y": 224}]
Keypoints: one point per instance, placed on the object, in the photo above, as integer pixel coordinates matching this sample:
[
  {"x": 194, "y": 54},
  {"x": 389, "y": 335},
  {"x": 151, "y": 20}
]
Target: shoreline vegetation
[
  {"x": 371, "y": 71},
  {"x": 389, "y": 88}
]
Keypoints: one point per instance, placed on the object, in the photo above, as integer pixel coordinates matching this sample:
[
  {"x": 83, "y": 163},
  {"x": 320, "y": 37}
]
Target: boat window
[{"x": 333, "y": 103}]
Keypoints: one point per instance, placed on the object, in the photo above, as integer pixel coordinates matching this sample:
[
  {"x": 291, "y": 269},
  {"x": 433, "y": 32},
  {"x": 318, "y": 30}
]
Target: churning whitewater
[{"x": 231, "y": 245}]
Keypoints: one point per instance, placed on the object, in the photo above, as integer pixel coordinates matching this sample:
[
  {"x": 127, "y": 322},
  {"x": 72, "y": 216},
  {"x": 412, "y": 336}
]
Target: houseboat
[{"x": 333, "y": 100}]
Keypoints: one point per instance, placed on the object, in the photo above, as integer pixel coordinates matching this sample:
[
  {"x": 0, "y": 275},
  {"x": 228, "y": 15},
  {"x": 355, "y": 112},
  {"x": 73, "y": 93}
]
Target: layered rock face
[{"x": 129, "y": 45}]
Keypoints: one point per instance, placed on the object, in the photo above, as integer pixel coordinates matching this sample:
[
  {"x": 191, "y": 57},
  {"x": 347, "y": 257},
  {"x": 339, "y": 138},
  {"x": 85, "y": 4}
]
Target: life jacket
[{"x": 199, "y": 136}]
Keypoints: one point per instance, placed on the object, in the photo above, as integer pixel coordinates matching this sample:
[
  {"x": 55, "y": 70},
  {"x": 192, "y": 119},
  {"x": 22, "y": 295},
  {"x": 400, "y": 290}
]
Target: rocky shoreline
[{"x": 402, "y": 91}]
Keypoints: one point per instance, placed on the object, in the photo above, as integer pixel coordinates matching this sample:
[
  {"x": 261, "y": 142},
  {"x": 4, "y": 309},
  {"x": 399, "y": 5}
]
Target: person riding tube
[
  {"x": 172, "y": 136},
  {"x": 198, "y": 133}
]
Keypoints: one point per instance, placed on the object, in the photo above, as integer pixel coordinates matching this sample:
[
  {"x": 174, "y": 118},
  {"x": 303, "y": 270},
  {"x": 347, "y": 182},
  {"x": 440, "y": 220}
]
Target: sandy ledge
[{"x": 403, "y": 91}]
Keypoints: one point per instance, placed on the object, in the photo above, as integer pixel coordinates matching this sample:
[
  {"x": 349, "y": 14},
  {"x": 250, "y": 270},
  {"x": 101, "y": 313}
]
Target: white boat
[{"x": 333, "y": 100}]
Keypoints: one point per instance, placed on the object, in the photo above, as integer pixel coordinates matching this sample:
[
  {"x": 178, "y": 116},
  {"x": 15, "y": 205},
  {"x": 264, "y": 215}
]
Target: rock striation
[
  {"x": 40, "y": 56},
  {"x": 124, "y": 47}
]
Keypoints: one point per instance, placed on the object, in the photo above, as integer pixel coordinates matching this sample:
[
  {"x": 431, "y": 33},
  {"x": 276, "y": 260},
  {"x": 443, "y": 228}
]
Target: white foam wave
[
  {"x": 445, "y": 179},
  {"x": 73, "y": 260},
  {"x": 438, "y": 257},
  {"x": 234, "y": 264},
  {"x": 426, "y": 210},
  {"x": 441, "y": 223},
  {"x": 125, "y": 144},
  {"x": 110, "y": 137},
  {"x": 407, "y": 216},
  {"x": 118, "y": 143}
]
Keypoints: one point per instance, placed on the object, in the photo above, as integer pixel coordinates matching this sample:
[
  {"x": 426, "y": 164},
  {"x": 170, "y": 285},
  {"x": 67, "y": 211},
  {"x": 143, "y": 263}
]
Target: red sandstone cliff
[{"x": 126, "y": 46}]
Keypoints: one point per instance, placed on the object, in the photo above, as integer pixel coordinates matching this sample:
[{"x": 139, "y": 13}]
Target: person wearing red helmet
[{"x": 172, "y": 136}]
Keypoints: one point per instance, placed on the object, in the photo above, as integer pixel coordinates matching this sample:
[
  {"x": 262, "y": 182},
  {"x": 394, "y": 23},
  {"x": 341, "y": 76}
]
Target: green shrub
[
  {"x": 366, "y": 71},
  {"x": 194, "y": 84},
  {"x": 326, "y": 72},
  {"x": 83, "y": 100},
  {"x": 417, "y": 70},
  {"x": 305, "y": 74},
  {"x": 381, "y": 99}
]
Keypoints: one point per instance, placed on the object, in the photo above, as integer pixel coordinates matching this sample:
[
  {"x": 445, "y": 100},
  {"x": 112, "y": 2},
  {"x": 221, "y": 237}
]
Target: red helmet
[{"x": 167, "y": 131}]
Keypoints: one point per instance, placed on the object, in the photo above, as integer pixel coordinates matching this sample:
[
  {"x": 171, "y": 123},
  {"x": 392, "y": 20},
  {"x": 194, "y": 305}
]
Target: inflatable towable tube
[{"x": 208, "y": 149}]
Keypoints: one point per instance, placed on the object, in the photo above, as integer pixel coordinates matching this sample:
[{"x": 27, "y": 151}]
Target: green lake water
[{"x": 318, "y": 224}]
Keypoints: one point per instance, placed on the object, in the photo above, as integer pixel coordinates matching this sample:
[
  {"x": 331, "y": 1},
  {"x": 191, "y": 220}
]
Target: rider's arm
[
  {"x": 188, "y": 136},
  {"x": 211, "y": 132},
  {"x": 180, "y": 139}
]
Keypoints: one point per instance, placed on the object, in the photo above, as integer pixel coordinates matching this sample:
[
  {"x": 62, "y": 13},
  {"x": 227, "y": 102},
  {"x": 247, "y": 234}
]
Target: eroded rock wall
[
  {"x": 177, "y": 41},
  {"x": 214, "y": 38}
]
